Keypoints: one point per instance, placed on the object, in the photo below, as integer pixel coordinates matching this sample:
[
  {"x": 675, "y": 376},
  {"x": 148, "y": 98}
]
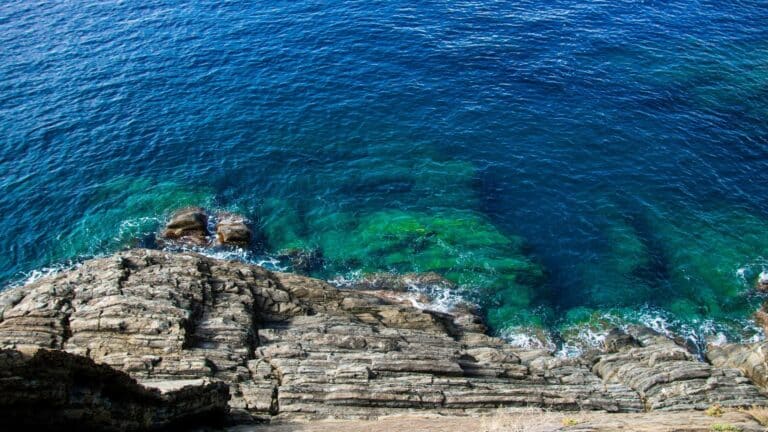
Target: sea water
[{"x": 570, "y": 165}]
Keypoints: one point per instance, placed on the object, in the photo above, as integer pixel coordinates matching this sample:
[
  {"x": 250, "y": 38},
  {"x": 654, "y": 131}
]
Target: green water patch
[
  {"x": 124, "y": 211},
  {"x": 694, "y": 264},
  {"x": 714, "y": 257},
  {"x": 492, "y": 269},
  {"x": 625, "y": 271}
]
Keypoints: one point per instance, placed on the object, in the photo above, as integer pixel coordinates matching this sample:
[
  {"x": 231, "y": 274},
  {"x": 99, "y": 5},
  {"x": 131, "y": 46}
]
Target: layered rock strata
[
  {"x": 53, "y": 388},
  {"x": 292, "y": 347}
]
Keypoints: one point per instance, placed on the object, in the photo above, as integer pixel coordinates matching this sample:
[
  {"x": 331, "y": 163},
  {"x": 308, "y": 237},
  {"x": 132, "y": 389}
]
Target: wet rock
[
  {"x": 54, "y": 389},
  {"x": 233, "y": 230},
  {"x": 188, "y": 225},
  {"x": 401, "y": 282},
  {"x": 762, "y": 281},
  {"x": 617, "y": 340},
  {"x": 303, "y": 261}
]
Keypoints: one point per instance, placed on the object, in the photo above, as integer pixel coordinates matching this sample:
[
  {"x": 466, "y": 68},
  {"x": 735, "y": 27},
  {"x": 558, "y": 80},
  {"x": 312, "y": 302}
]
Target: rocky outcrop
[
  {"x": 292, "y": 347},
  {"x": 750, "y": 359},
  {"x": 52, "y": 388},
  {"x": 762, "y": 281},
  {"x": 187, "y": 226},
  {"x": 233, "y": 230},
  {"x": 667, "y": 377}
]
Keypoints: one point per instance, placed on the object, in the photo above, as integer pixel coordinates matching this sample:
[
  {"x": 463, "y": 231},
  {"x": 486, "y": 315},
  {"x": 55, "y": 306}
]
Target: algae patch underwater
[{"x": 491, "y": 268}]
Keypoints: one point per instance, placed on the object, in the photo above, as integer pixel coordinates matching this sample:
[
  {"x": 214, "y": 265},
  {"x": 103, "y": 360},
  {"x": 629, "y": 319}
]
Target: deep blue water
[{"x": 625, "y": 142}]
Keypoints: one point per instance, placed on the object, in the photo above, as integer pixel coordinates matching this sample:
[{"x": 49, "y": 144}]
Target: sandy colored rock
[
  {"x": 233, "y": 230},
  {"x": 188, "y": 225},
  {"x": 292, "y": 347}
]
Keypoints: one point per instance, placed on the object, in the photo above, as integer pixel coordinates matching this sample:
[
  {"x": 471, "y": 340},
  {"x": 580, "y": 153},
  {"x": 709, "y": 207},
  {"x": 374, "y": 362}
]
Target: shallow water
[{"x": 561, "y": 161}]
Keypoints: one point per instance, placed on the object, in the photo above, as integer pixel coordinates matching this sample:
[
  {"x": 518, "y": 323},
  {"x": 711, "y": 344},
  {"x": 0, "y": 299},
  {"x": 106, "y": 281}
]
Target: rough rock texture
[
  {"x": 750, "y": 359},
  {"x": 188, "y": 225},
  {"x": 530, "y": 421},
  {"x": 294, "y": 347},
  {"x": 668, "y": 377},
  {"x": 232, "y": 230},
  {"x": 53, "y": 388}
]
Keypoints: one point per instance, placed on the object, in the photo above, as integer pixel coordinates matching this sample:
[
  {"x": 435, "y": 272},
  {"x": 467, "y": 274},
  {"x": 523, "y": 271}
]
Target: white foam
[
  {"x": 36, "y": 275},
  {"x": 528, "y": 338},
  {"x": 763, "y": 277},
  {"x": 441, "y": 298},
  {"x": 346, "y": 280}
]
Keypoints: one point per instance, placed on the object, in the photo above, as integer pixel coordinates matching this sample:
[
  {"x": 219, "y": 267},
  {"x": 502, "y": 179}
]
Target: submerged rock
[
  {"x": 233, "y": 230},
  {"x": 303, "y": 261},
  {"x": 293, "y": 347},
  {"x": 401, "y": 282},
  {"x": 188, "y": 225}
]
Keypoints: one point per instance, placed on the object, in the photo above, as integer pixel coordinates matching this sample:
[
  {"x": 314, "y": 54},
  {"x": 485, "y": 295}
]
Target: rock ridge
[{"x": 291, "y": 347}]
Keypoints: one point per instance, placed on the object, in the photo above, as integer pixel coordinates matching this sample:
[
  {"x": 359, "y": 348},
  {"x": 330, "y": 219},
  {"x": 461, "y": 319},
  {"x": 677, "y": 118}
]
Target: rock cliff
[{"x": 290, "y": 347}]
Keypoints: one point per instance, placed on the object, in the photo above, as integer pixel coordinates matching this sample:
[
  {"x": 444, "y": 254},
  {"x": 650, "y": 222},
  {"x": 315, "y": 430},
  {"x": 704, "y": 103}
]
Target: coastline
[{"x": 295, "y": 348}]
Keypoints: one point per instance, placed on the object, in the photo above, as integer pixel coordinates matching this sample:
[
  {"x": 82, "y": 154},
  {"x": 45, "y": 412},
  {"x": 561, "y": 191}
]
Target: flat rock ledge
[{"x": 291, "y": 348}]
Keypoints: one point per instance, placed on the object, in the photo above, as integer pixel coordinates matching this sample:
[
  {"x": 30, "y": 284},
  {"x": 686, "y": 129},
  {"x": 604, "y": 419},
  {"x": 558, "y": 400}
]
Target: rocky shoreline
[{"x": 285, "y": 347}]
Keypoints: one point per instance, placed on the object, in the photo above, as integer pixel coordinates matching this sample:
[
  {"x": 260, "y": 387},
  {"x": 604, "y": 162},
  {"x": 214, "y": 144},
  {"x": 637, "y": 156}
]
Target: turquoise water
[{"x": 569, "y": 164}]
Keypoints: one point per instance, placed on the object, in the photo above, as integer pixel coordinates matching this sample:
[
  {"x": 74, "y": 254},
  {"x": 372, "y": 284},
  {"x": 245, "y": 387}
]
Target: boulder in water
[
  {"x": 233, "y": 230},
  {"x": 188, "y": 225}
]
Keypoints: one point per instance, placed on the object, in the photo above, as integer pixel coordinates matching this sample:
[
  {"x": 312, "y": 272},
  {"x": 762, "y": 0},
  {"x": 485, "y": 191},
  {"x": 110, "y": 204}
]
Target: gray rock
[
  {"x": 293, "y": 347},
  {"x": 750, "y": 359},
  {"x": 668, "y": 377}
]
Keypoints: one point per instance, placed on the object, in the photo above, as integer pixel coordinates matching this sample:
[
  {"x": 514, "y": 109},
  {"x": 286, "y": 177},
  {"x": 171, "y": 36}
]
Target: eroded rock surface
[
  {"x": 750, "y": 359},
  {"x": 52, "y": 388},
  {"x": 233, "y": 230},
  {"x": 294, "y": 347},
  {"x": 188, "y": 225},
  {"x": 668, "y": 377}
]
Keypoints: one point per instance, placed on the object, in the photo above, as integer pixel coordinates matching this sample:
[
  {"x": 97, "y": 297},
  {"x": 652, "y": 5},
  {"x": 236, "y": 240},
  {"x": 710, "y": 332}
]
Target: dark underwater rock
[
  {"x": 188, "y": 225},
  {"x": 303, "y": 261}
]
